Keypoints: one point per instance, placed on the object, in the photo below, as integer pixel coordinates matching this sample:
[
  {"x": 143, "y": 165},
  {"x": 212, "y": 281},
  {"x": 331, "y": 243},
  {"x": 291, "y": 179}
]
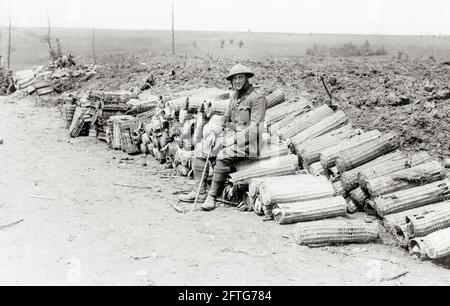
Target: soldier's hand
[
  {"x": 229, "y": 126},
  {"x": 210, "y": 141}
]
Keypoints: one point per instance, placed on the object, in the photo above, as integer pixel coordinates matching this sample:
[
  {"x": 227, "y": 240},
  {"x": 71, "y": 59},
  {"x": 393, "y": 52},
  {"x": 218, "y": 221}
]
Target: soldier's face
[{"x": 239, "y": 81}]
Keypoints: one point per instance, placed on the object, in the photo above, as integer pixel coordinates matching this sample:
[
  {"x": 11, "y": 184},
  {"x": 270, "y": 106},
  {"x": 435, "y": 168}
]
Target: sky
[{"x": 403, "y": 17}]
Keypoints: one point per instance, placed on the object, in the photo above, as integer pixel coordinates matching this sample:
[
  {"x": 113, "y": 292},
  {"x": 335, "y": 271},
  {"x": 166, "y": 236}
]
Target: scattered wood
[
  {"x": 394, "y": 277},
  {"x": 11, "y": 224},
  {"x": 133, "y": 186},
  {"x": 39, "y": 85},
  {"x": 169, "y": 176},
  {"x": 229, "y": 203},
  {"x": 44, "y": 91},
  {"x": 41, "y": 197},
  {"x": 178, "y": 209},
  {"x": 180, "y": 192},
  {"x": 140, "y": 257}
]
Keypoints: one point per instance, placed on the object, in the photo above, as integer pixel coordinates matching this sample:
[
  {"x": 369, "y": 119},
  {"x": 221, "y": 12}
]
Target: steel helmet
[{"x": 239, "y": 69}]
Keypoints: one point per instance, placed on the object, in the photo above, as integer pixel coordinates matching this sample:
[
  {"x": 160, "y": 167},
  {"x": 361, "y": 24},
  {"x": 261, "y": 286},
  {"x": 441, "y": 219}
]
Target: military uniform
[
  {"x": 243, "y": 122},
  {"x": 241, "y": 138}
]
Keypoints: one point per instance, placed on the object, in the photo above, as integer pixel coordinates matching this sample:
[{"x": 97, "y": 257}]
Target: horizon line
[{"x": 222, "y": 31}]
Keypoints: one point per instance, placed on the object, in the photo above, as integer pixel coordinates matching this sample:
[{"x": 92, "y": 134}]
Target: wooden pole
[
  {"x": 202, "y": 179},
  {"x": 93, "y": 46},
  {"x": 1, "y": 58},
  {"x": 48, "y": 33},
  {"x": 9, "y": 44},
  {"x": 173, "y": 30},
  {"x": 49, "y": 40}
]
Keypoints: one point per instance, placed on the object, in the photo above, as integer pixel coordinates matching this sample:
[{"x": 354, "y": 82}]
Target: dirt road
[{"x": 80, "y": 227}]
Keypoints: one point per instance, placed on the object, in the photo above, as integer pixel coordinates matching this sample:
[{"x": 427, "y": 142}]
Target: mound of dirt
[{"x": 409, "y": 97}]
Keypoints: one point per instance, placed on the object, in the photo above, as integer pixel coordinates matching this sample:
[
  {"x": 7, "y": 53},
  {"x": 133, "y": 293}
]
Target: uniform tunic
[{"x": 244, "y": 120}]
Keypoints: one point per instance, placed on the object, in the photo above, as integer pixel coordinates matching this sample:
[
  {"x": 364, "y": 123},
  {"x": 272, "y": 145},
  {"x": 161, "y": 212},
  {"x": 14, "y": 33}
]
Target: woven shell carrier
[
  {"x": 434, "y": 246},
  {"x": 125, "y": 136},
  {"x": 335, "y": 231},
  {"x": 69, "y": 112},
  {"x": 310, "y": 210},
  {"x": 114, "y": 123},
  {"x": 412, "y": 198}
]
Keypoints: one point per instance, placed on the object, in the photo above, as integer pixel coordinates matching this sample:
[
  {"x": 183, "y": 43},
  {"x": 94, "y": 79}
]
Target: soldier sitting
[{"x": 241, "y": 138}]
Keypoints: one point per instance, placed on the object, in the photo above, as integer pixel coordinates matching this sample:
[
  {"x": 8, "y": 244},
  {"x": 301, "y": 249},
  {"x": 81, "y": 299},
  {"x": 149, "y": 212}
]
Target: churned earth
[{"x": 91, "y": 216}]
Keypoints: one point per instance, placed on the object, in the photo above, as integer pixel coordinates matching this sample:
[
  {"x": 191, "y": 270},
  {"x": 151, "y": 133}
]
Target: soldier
[
  {"x": 10, "y": 81},
  {"x": 241, "y": 137},
  {"x": 2, "y": 80}
]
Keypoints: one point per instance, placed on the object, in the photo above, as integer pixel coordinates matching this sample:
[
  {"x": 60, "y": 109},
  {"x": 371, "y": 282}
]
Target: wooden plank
[{"x": 44, "y": 91}]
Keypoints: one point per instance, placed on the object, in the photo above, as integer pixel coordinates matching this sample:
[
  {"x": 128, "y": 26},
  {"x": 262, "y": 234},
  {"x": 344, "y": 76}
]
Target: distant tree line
[{"x": 346, "y": 50}]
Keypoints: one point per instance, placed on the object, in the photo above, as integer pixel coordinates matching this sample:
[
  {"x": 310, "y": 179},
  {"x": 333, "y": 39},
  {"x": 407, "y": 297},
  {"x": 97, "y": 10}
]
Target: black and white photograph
[{"x": 205, "y": 144}]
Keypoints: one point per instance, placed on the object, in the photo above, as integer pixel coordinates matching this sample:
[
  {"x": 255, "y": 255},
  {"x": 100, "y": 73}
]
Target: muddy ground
[{"x": 80, "y": 227}]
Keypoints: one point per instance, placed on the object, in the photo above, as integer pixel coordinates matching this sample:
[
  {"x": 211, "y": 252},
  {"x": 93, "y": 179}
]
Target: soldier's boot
[
  {"x": 221, "y": 171},
  {"x": 209, "y": 204},
  {"x": 198, "y": 166},
  {"x": 190, "y": 197}
]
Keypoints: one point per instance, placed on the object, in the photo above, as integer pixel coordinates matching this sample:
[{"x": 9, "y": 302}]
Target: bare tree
[
  {"x": 1, "y": 58},
  {"x": 9, "y": 43},
  {"x": 59, "y": 49},
  {"x": 173, "y": 29},
  {"x": 48, "y": 39},
  {"x": 49, "y": 33}
]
